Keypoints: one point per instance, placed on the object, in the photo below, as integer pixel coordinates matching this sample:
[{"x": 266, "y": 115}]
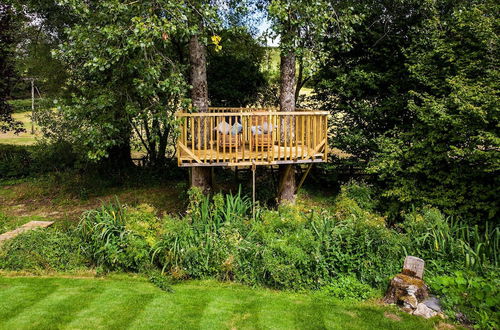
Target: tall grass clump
[
  {"x": 451, "y": 243},
  {"x": 199, "y": 244},
  {"x": 108, "y": 241}
]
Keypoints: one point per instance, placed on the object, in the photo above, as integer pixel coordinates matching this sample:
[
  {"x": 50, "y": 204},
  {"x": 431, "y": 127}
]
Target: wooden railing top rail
[
  {"x": 242, "y": 109},
  {"x": 252, "y": 113}
]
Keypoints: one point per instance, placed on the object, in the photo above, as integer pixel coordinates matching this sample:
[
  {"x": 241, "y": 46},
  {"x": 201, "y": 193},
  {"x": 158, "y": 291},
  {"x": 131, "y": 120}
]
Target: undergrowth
[{"x": 346, "y": 251}]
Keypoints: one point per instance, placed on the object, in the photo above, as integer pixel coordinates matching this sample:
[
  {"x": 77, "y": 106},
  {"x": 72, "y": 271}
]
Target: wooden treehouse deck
[{"x": 246, "y": 136}]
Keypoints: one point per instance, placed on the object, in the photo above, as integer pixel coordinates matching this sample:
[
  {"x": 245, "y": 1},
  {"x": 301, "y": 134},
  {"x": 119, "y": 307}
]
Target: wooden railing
[{"x": 245, "y": 136}]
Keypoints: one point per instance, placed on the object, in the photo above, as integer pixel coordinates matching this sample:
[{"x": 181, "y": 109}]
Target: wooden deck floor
[{"x": 244, "y": 156}]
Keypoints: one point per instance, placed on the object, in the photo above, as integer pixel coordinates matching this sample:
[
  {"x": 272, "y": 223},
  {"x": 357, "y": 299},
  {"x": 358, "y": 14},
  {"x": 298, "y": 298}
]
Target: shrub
[
  {"x": 361, "y": 193},
  {"x": 477, "y": 297},
  {"x": 160, "y": 281},
  {"x": 349, "y": 288},
  {"x": 15, "y": 161},
  {"x": 44, "y": 157},
  {"x": 285, "y": 248},
  {"x": 43, "y": 249},
  {"x": 201, "y": 244},
  {"x": 54, "y": 156},
  {"x": 448, "y": 242}
]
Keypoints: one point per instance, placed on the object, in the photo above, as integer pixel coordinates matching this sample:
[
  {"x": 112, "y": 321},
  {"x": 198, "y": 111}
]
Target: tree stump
[
  {"x": 402, "y": 286},
  {"x": 408, "y": 289}
]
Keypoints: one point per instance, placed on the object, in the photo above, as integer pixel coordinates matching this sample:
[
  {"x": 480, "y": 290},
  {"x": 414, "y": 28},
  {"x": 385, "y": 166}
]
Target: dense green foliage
[
  {"x": 24, "y": 105},
  {"x": 43, "y": 250},
  {"x": 477, "y": 297},
  {"x": 127, "y": 76},
  {"x": 233, "y": 73},
  {"x": 344, "y": 250},
  {"x": 415, "y": 98},
  {"x": 349, "y": 288},
  {"x": 110, "y": 243},
  {"x": 450, "y": 153},
  {"x": 19, "y": 161}
]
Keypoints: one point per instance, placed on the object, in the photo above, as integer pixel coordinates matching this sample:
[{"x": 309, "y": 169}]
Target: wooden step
[{"x": 27, "y": 226}]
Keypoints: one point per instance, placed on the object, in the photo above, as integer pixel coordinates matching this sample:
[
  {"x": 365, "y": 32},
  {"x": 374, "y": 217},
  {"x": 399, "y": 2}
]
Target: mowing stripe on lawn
[
  {"x": 222, "y": 309},
  {"x": 20, "y": 297},
  {"x": 310, "y": 315},
  {"x": 246, "y": 312},
  {"x": 123, "y": 301},
  {"x": 179, "y": 310},
  {"x": 276, "y": 312},
  {"x": 59, "y": 307}
]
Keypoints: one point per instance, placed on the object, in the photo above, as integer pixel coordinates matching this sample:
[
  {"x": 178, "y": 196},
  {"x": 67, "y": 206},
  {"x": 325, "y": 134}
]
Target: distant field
[{"x": 23, "y": 138}]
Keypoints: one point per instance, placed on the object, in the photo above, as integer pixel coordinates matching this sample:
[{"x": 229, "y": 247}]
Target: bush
[
  {"x": 43, "y": 249},
  {"x": 449, "y": 243},
  {"x": 476, "y": 297},
  {"x": 349, "y": 288},
  {"x": 19, "y": 161},
  {"x": 200, "y": 244},
  {"x": 15, "y": 161}
]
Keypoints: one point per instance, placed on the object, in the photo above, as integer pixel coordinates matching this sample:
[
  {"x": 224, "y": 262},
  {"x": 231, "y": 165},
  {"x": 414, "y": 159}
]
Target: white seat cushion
[{"x": 223, "y": 127}]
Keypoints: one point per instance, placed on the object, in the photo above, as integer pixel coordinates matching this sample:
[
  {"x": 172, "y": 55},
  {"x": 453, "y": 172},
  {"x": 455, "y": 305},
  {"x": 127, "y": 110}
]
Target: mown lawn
[{"x": 126, "y": 302}]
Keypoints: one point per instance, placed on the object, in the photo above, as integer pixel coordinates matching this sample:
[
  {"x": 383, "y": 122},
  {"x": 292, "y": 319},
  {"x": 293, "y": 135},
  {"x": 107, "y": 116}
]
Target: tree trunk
[
  {"x": 286, "y": 193},
  {"x": 200, "y": 176}
]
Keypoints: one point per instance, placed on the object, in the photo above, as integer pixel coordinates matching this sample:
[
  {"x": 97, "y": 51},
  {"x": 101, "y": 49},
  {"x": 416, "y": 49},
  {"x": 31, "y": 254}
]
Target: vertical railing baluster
[
  {"x": 302, "y": 144},
  {"x": 279, "y": 135}
]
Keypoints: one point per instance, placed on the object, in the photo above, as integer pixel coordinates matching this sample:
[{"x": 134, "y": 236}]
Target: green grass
[{"x": 119, "y": 302}]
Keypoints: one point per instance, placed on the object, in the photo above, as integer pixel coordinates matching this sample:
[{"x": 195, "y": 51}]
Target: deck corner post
[{"x": 253, "y": 189}]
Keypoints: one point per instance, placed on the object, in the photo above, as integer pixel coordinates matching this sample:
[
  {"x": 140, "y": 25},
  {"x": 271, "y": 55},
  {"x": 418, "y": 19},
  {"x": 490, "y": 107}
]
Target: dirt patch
[
  {"x": 232, "y": 324},
  {"x": 443, "y": 326},
  {"x": 392, "y": 316},
  {"x": 351, "y": 314}
]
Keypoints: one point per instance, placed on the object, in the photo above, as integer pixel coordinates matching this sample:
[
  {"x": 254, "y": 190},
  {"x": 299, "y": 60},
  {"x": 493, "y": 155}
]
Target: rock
[
  {"x": 424, "y": 311},
  {"x": 400, "y": 285},
  {"x": 409, "y": 302},
  {"x": 414, "y": 266},
  {"x": 433, "y": 303}
]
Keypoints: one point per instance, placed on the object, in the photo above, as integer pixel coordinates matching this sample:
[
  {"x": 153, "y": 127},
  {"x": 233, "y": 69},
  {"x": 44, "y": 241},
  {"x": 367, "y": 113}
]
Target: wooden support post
[
  {"x": 253, "y": 190},
  {"x": 303, "y": 177},
  {"x": 32, "y": 105}
]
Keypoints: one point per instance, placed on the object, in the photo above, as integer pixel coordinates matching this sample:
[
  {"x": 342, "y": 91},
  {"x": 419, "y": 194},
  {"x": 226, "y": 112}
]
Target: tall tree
[
  {"x": 9, "y": 24},
  {"x": 292, "y": 22},
  {"x": 415, "y": 97},
  {"x": 200, "y": 176},
  {"x": 287, "y": 104},
  {"x": 126, "y": 80},
  {"x": 364, "y": 80},
  {"x": 449, "y": 154}
]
